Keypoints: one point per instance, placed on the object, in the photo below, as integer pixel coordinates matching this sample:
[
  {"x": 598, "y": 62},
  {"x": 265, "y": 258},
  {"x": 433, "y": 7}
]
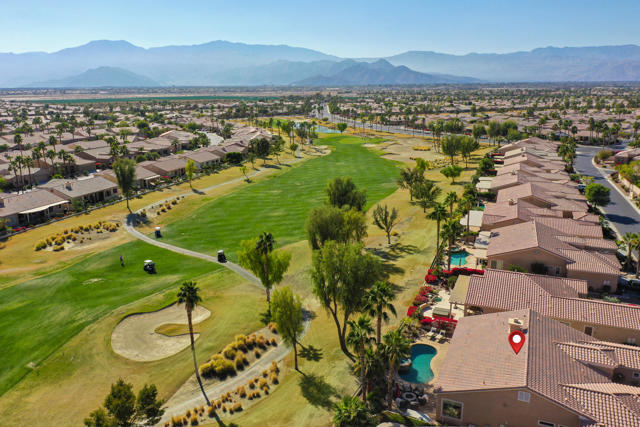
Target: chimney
[
  {"x": 515, "y": 325},
  {"x": 68, "y": 185},
  {"x": 512, "y": 202}
]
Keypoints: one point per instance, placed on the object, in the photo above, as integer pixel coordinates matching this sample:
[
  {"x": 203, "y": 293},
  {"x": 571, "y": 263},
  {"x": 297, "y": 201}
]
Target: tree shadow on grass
[
  {"x": 317, "y": 391},
  {"x": 201, "y": 193},
  {"x": 265, "y": 318},
  {"x": 310, "y": 353}
]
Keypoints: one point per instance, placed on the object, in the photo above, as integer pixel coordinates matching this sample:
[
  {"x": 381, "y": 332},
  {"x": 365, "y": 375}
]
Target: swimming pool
[
  {"x": 459, "y": 258},
  {"x": 420, "y": 370}
]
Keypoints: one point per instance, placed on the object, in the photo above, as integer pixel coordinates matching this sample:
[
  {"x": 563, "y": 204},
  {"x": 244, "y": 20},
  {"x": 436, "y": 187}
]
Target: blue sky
[{"x": 348, "y": 28}]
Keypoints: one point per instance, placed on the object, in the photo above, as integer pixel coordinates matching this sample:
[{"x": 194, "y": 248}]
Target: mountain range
[{"x": 105, "y": 63}]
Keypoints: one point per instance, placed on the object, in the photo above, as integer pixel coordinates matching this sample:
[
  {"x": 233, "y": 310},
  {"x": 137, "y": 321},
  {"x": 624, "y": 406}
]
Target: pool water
[
  {"x": 420, "y": 371},
  {"x": 459, "y": 258}
]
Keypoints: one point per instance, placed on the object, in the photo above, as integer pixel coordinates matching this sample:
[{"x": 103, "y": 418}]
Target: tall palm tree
[
  {"x": 451, "y": 199},
  {"x": 189, "y": 296},
  {"x": 359, "y": 337},
  {"x": 28, "y": 162},
  {"x": 438, "y": 214},
  {"x": 378, "y": 303},
  {"x": 265, "y": 246},
  {"x": 51, "y": 155},
  {"x": 450, "y": 231},
  {"x": 628, "y": 241},
  {"x": 396, "y": 347},
  {"x": 465, "y": 206}
]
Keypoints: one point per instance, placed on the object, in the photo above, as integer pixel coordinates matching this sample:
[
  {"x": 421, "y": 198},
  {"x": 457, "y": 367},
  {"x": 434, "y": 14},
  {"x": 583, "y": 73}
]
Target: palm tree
[
  {"x": 188, "y": 295},
  {"x": 28, "y": 162},
  {"x": 51, "y": 155},
  {"x": 396, "y": 347},
  {"x": 351, "y": 412},
  {"x": 450, "y": 231},
  {"x": 465, "y": 205},
  {"x": 628, "y": 241},
  {"x": 265, "y": 246},
  {"x": 452, "y": 197},
  {"x": 359, "y": 337},
  {"x": 378, "y": 302},
  {"x": 438, "y": 214}
]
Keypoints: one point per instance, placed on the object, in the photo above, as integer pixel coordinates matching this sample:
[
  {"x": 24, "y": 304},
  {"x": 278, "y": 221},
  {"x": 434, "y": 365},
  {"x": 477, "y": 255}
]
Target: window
[
  {"x": 631, "y": 340},
  {"x": 588, "y": 330},
  {"x": 452, "y": 409},
  {"x": 546, "y": 424},
  {"x": 494, "y": 264},
  {"x": 558, "y": 271},
  {"x": 524, "y": 396}
]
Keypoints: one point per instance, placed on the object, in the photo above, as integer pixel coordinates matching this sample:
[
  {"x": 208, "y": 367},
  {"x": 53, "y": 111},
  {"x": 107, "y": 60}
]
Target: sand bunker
[{"x": 135, "y": 337}]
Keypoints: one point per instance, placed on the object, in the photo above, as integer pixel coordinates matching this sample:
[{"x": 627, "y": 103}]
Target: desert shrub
[
  {"x": 261, "y": 342},
  {"x": 201, "y": 409},
  {"x": 41, "y": 245},
  {"x": 241, "y": 337},
  {"x": 188, "y": 413},
  {"x": 194, "y": 420},
  {"x": 49, "y": 241},
  {"x": 239, "y": 363},
  {"x": 273, "y": 342},
  {"x": 263, "y": 383},
  {"x": 207, "y": 370},
  {"x": 224, "y": 408},
  {"x": 211, "y": 411},
  {"x": 176, "y": 421},
  {"x": 229, "y": 352},
  {"x": 224, "y": 368},
  {"x": 274, "y": 367},
  {"x": 257, "y": 353},
  {"x": 59, "y": 241},
  {"x": 240, "y": 345},
  {"x": 219, "y": 403},
  {"x": 237, "y": 407},
  {"x": 265, "y": 373},
  {"x": 240, "y": 391},
  {"x": 215, "y": 357},
  {"x": 252, "y": 384},
  {"x": 273, "y": 378},
  {"x": 272, "y": 327},
  {"x": 250, "y": 342},
  {"x": 58, "y": 248}
]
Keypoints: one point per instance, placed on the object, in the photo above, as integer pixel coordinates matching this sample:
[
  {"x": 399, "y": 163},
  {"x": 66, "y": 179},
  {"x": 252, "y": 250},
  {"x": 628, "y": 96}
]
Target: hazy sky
[{"x": 348, "y": 28}]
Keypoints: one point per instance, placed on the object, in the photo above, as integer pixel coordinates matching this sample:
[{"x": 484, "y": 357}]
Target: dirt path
[{"x": 135, "y": 337}]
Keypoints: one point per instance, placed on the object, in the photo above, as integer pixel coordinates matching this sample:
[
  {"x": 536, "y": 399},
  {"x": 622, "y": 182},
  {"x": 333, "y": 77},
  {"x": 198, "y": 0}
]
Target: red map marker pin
[{"x": 516, "y": 339}]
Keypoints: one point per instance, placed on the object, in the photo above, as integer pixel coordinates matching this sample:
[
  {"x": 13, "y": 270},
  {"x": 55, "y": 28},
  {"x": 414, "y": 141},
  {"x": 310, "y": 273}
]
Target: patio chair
[
  {"x": 441, "y": 334},
  {"x": 432, "y": 332}
]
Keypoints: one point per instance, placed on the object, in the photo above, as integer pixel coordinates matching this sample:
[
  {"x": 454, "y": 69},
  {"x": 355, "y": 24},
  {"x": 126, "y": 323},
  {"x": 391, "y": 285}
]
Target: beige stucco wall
[
  {"x": 493, "y": 408},
  {"x": 596, "y": 280},
  {"x": 525, "y": 258}
]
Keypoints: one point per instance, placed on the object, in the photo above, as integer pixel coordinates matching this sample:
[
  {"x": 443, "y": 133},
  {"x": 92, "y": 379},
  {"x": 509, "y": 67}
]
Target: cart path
[
  {"x": 189, "y": 395},
  {"x": 230, "y": 265},
  {"x": 130, "y": 227}
]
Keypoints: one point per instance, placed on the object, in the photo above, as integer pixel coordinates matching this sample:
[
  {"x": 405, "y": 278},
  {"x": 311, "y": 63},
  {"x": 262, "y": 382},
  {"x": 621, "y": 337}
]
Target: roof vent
[
  {"x": 68, "y": 185},
  {"x": 512, "y": 202},
  {"x": 515, "y": 324}
]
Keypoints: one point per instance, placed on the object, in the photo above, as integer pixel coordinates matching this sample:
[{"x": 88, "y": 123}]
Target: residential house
[
  {"x": 31, "y": 207},
  {"x": 536, "y": 247},
  {"x": 145, "y": 178},
  {"x": 559, "y": 298},
  {"x": 169, "y": 167},
  {"x": 560, "y": 376},
  {"x": 91, "y": 189}
]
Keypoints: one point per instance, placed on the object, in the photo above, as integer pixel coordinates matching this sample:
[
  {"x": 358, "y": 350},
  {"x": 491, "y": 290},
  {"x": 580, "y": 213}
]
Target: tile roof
[
  {"x": 34, "y": 199},
  {"x": 80, "y": 187},
  {"x": 545, "y": 365},
  {"x": 558, "y": 298}
]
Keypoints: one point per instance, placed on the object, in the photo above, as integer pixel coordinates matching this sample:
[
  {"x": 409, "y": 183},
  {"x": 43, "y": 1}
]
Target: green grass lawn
[
  {"x": 40, "y": 315},
  {"x": 280, "y": 204}
]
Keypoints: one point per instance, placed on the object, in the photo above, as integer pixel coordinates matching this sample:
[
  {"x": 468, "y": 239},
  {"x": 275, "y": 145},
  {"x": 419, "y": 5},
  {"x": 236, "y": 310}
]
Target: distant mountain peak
[{"x": 101, "y": 77}]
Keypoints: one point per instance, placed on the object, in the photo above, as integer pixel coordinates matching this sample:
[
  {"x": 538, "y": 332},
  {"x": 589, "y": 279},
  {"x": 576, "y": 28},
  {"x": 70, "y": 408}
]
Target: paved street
[{"x": 619, "y": 212}]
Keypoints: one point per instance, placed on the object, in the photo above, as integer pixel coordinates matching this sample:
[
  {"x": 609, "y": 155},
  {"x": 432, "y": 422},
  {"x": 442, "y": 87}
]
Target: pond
[
  {"x": 420, "y": 371},
  {"x": 324, "y": 129}
]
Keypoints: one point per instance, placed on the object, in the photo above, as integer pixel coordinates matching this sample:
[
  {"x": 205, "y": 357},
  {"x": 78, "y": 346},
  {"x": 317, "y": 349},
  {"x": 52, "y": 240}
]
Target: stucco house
[{"x": 560, "y": 378}]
